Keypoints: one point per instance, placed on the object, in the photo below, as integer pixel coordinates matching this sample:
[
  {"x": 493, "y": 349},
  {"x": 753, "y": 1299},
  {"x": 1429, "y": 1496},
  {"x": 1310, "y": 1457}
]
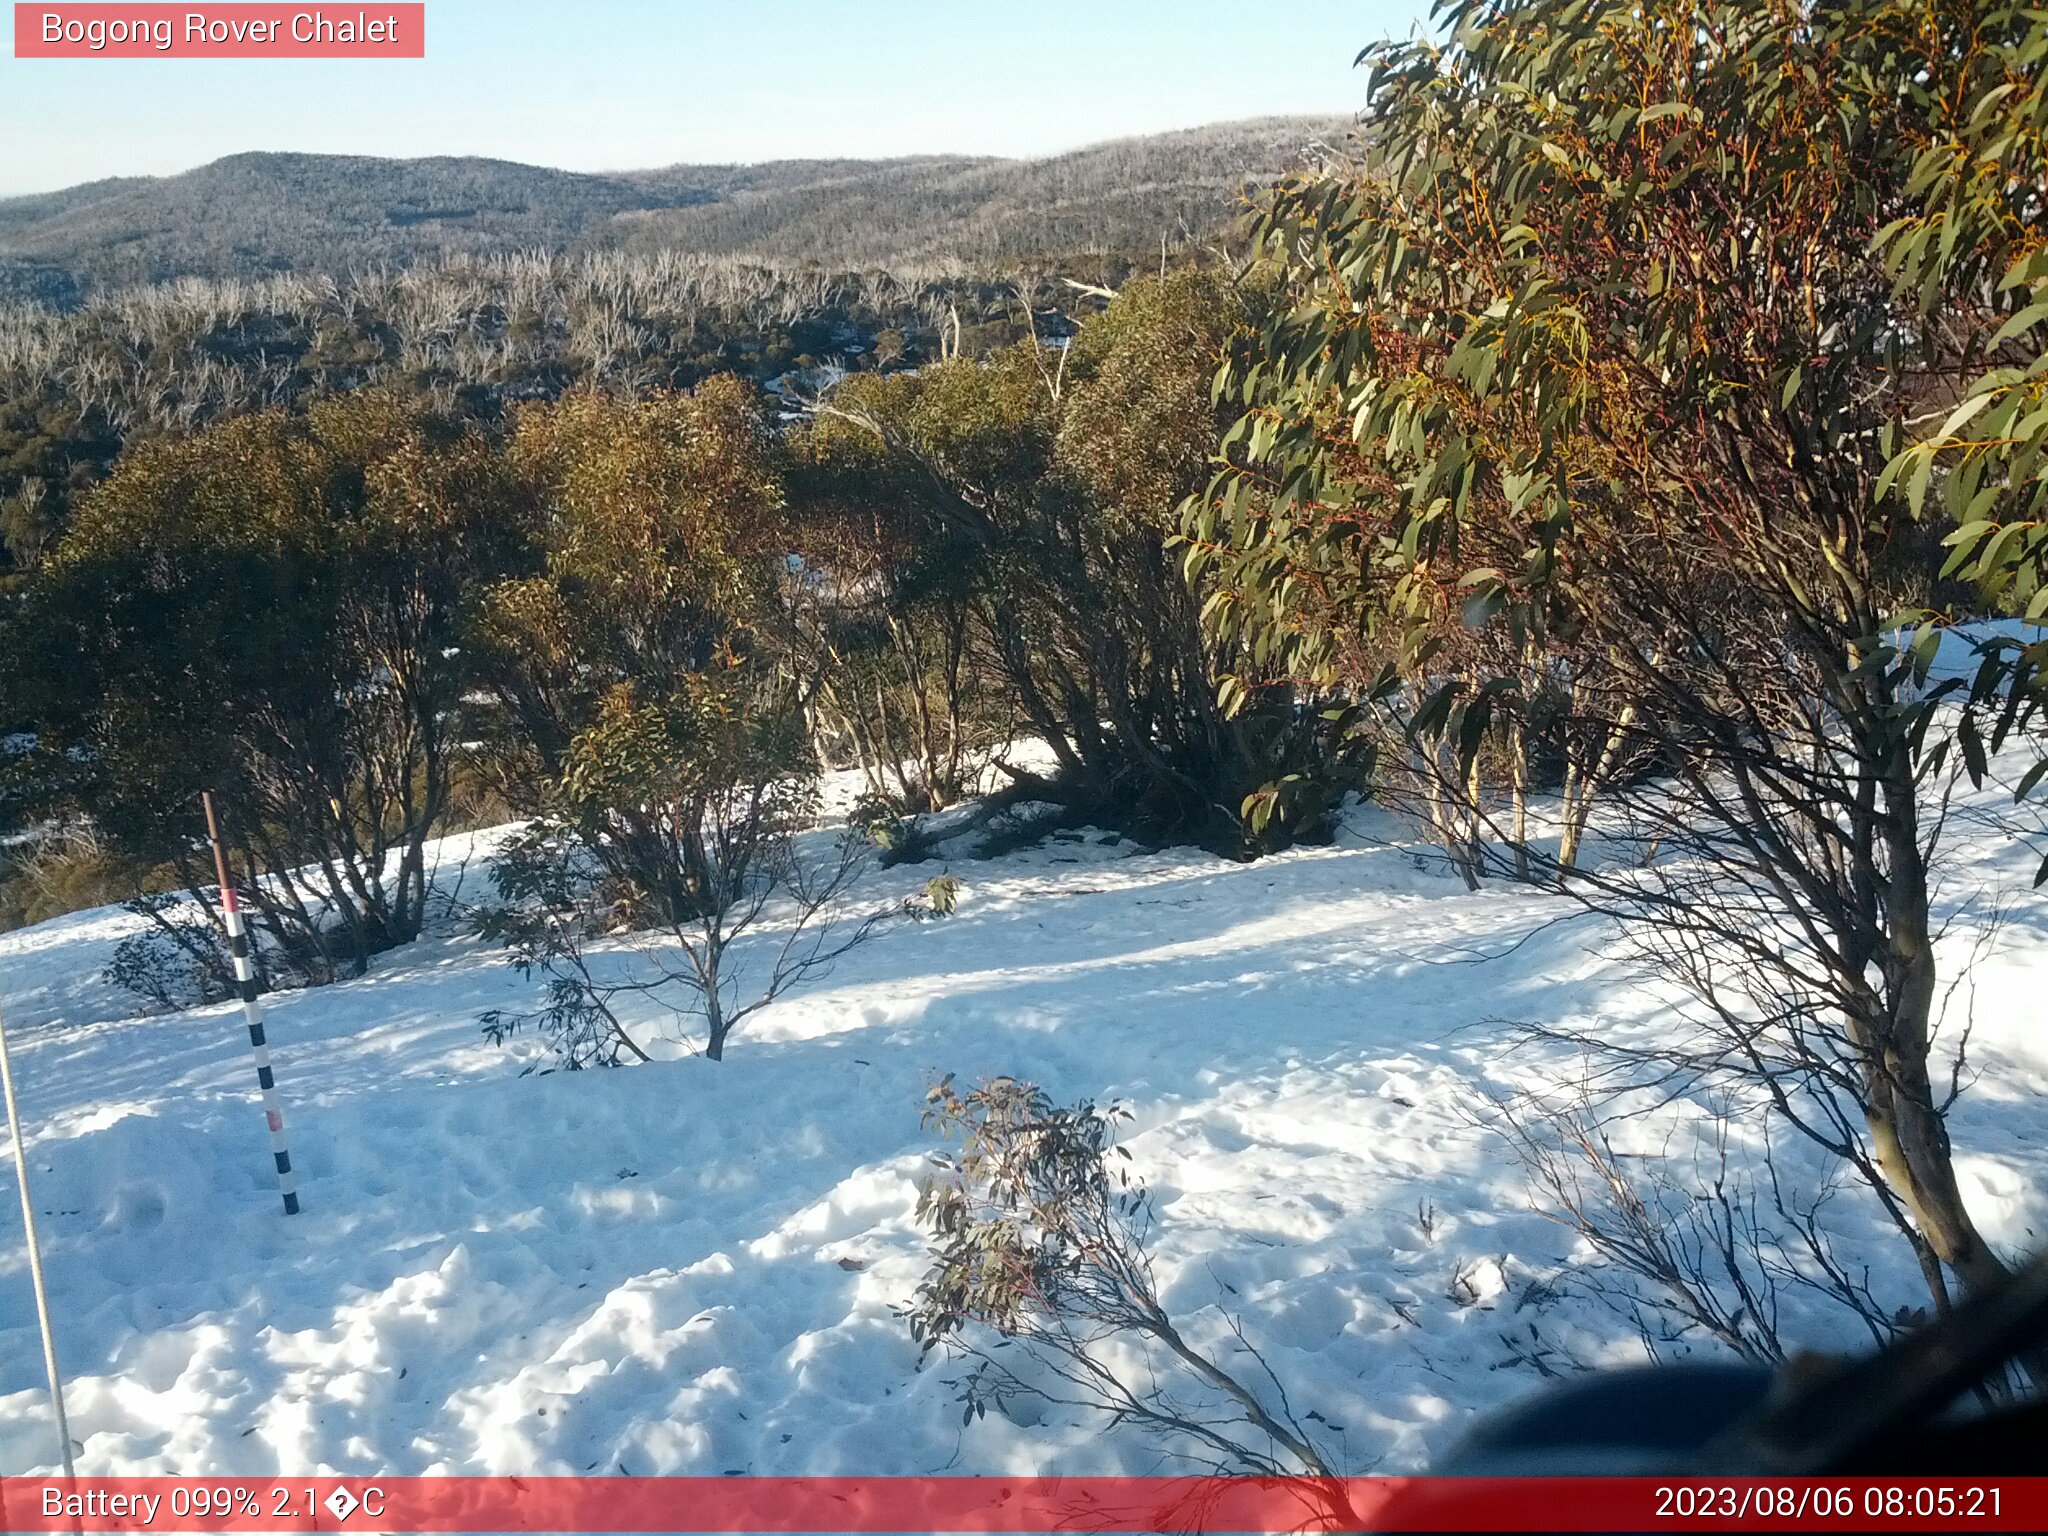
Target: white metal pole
[{"x": 35, "y": 1254}]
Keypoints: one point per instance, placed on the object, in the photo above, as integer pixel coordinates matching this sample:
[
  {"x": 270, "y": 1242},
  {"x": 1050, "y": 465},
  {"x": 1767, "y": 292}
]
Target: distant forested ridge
[
  {"x": 1119, "y": 196},
  {"x": 145, "y": 308},
  {"x": 259, "y": 215}
]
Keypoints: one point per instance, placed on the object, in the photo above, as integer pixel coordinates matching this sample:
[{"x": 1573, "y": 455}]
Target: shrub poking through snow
[
  {"x": 550, "y": 905},
  {"x": 939, "y": 898},
  {"x": 722, "y": 850},
  {"x": 1039, "y": 1232},
  {"x": 177, "y": 963}
]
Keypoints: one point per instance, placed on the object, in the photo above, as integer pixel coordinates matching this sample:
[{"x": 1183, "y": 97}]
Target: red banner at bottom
[{"x": 1020, "y": 1504}]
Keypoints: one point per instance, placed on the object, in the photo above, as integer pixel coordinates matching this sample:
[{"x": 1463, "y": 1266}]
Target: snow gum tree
[
  {"x": 273, "y": 609},
  {"x": 1046, "y": 479},
  {"x": 651, "y": 555},
  {"x": 723, "y": 808},
  {"x": 1619, "y": 377},
  {"x": 649, "y": 727}
]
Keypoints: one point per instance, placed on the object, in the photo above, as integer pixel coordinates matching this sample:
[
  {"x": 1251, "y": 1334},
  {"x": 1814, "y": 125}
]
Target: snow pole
[
  {"x": 35, "y": 1255},
  {"x": 252, "y": 1011}
]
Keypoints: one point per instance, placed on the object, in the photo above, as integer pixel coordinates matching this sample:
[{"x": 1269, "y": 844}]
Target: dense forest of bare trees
[{"x": 135, "y": 364}]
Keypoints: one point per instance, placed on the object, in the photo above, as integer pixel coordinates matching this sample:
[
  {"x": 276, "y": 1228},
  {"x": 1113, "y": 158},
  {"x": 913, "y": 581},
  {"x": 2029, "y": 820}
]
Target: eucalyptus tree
[
  {"x": 273, "y": 609},
  {"x": 1035, "y": 492},
  {"x": 1603, "y": 401},
  {"x": 647, "y": 724}
]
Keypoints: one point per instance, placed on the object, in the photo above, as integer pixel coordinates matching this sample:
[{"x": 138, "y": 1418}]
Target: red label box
[
  {"x": 1020, "y": 1506},
  {"x": 374, "y": 30}
]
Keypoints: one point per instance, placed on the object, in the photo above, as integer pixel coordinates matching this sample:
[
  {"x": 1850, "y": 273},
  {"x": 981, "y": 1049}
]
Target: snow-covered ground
[{"x": 694, "y": 1267}]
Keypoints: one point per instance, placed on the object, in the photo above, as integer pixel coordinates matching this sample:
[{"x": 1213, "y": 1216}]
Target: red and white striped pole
[{"x": 252, "y": 1011}]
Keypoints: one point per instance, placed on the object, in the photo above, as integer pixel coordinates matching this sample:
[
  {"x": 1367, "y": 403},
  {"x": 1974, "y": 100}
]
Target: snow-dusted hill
[{"x": 693, "y": 1267}]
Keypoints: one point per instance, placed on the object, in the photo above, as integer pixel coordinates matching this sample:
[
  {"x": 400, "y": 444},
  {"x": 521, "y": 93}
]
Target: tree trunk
[
  {"x": 1475, "y": 847},
  {"x": 714, "y": 1015},
  {"x": 1518, "y": 772},
  {"x": 1582, "y": 784},
  {"x": 1912, "y": 1146},
  {"x": 1907, "y": 1129},
  {"x": 1438, "y": 789}
]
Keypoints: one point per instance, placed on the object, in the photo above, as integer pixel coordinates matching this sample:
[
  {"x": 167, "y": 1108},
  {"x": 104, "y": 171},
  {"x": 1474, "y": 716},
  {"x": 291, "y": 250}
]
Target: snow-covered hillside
[{"x": 693, "y": 1267}]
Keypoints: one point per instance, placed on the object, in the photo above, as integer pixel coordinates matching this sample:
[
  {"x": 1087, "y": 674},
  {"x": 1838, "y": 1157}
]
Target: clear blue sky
[{"x": 624, "y": 84}]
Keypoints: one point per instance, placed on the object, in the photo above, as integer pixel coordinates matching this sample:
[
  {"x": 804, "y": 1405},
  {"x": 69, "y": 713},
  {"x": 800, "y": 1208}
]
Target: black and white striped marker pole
[{"x": 252, "y": 1011}]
